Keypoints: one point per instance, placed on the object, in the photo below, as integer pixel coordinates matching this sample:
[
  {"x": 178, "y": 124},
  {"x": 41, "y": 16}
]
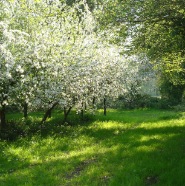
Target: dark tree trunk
[
  {"x": 48, "y": 112},
  {"x": 46, "y": 115},
  {"x": 104, "y": 107},
  {"x": 2, "y": 118},
  {"x": 66, "y": 113},
  {"x": 82, "y": 111},
  {"x": 82, "y": 114},
  {"x": 94, "y": 99},
  {"x": 85, "y": 106},
  {"x": 25, "y": 110}
]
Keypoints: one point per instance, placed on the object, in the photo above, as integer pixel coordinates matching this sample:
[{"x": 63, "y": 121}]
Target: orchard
[{"x": 53, "y": 55}]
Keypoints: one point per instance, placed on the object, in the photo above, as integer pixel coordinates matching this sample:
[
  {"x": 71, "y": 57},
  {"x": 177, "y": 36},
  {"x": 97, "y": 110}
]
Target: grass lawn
[{"x": 124, "y": 148}]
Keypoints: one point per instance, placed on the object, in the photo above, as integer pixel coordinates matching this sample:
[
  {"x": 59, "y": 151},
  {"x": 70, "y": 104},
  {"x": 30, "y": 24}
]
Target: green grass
[{"x": 125, "y": 148}]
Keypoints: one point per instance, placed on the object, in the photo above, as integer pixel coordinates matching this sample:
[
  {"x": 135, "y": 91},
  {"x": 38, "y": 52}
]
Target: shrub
[{"x": 141, "y": 101}]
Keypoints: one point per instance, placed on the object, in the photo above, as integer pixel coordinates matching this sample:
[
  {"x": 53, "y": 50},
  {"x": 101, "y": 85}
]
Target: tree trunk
[
  {"x": 66, "y": 113},
  {"x": 82, "y": 111},
  {"x": 85, "y": 106},
  {"x": 46, "y": 115},
  {"x": 48, "y": 112},
  {"x": 25, "y": 110},
  {"x": 94, "y": 99},
  {"x": 2, "y": 118},
  {"x": 82, "y": 114},
  {"x": 104, "y": 107}
]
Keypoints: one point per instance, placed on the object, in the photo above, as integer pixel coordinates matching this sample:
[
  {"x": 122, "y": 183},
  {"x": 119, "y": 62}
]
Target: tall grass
[{"x": 130, "y": 148}]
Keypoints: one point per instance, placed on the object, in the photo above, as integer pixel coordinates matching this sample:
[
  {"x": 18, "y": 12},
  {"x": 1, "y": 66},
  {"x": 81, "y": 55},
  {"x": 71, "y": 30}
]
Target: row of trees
[
  {"x": 70, "y": 53},
  {"x": 155, "y": 28},
  {"x": 54, "y": 54}
]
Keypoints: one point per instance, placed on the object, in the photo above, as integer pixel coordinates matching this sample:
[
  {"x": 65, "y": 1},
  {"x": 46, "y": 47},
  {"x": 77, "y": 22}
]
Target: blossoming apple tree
[{"x": 53, "y": 55}]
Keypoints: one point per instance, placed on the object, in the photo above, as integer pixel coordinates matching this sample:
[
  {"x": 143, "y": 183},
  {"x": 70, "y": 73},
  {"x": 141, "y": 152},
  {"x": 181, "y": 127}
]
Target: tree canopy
[
  {"x": 70, "y": 53},
  {"x": 156, "y": 27},
  {"x": 53, "y": 53}
]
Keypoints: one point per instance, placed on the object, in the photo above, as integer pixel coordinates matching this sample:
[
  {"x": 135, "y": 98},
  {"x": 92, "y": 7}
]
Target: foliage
[
  {"x": 169, "y": 91},
  {"x": 153, "y": 27},
  {"x": 51, "y": 56},
  {"x": 140, "y": 101},
  {"x": 54, "y": 55},
  {"x": 180, "y": 107}
]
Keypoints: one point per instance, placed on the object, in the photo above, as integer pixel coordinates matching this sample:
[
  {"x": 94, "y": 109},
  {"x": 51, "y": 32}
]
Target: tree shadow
[
  {"x": 153, "y": 156},
  {"x": 133, "y": 155},
  {"x": 127, "y": 159}
]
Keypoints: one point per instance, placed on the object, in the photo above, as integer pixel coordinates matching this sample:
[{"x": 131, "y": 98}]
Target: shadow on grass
[
  {"x": 127, "y": 159},
  {"x": 18, "y": 127},
  {"x": 151, "y": 162},
  {"x": 139, "y": 154}
]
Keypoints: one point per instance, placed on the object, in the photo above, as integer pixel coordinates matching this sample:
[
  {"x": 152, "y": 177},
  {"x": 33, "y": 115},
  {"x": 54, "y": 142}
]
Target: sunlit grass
[{"x": 139, "y": 147}]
